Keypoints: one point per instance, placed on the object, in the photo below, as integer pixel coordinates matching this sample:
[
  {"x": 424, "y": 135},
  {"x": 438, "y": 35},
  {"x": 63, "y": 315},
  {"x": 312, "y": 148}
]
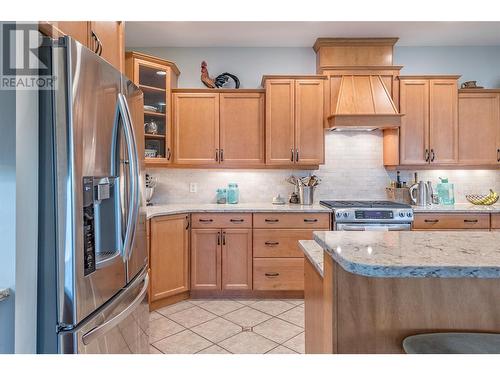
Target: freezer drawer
[{"x": 121, "y": 327}]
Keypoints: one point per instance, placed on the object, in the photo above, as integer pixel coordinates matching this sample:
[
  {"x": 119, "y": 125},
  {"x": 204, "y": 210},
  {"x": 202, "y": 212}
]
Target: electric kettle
[{"x": 421, "y": 193}]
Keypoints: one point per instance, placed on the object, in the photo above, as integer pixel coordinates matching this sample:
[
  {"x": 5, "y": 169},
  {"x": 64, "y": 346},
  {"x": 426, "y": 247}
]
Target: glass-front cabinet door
[{"x": 155, "y": 77}]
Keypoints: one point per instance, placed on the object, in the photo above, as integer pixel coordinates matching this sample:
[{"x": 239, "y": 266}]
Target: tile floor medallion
[{"x": 229, "y": 326}]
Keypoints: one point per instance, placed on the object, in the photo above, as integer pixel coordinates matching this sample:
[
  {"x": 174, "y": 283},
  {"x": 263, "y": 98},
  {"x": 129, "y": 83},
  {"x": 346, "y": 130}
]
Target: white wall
[{"x": 249, "y": 64}]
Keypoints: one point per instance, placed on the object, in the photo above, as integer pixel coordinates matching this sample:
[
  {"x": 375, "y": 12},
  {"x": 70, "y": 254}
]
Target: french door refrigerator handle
[
  {"x": 109, "y": 324},
  {"x": 132, "y": 214},
  {"x": 134, "y": 174}
]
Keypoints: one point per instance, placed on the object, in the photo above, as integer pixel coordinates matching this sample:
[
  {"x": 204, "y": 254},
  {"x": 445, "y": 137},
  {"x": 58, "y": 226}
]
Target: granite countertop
[
  {"x": 170, "y": 209},
  {"x": 457, "y": 208},
  {"x": 406, "y": 254},
  {"x": 314, "y": 252}
]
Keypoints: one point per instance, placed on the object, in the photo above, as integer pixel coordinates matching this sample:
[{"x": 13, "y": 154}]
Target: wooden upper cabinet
[
  {"x": 237, "y": 259},
  {"x": 169, "y": 256},
  {"x": 479, "y": 128},
  {"x": 309, "y": 132},
  {"x": 280, "y": 132},
  {"x": 205, "y": 259},
  {"x": 196, "y": 128},
  {"x": 294, "y": 120},
  {"x": 414, "y": 133},
  {"x": 242, "y": 129},
  {"x": 107, "y": 38},
  {"x": 443, "y": 121},
  {"x": 78, "y": 30},
  {"x": 429, "y": 127}
]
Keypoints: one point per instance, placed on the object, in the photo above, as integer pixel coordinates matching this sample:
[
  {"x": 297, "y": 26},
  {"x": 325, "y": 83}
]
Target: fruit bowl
[{"x": 484, "y": 200}]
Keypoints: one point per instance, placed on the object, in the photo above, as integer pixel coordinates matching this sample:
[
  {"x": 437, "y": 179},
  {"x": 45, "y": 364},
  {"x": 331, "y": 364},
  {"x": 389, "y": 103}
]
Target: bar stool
[{"x": 452, "y": 343}]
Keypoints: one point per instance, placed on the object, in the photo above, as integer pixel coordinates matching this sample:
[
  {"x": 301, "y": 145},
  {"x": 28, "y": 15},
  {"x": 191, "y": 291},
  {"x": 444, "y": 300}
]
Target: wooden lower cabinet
[
  {"x": 313, "y": 309},
  {"x": 221, "y": 259},
  {"x": 278, "y": 274},
  {"x": 450, "y": 221},
  {"x": 205, "y": 259},
  {"x": 495, "y": 221},
  {"x": 236, "y": 259},
  {"x": 169, "y": 256}
]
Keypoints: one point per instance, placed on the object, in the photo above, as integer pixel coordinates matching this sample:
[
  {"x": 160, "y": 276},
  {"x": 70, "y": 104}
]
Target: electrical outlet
[{"x": 193, "y": 187}]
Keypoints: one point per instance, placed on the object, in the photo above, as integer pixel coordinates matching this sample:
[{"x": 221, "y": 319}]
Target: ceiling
[{"x": 303, "y": 34}]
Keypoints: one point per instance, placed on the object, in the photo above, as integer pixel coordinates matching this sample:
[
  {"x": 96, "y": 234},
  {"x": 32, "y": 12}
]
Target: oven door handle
[{"x": 392, "y": 227}]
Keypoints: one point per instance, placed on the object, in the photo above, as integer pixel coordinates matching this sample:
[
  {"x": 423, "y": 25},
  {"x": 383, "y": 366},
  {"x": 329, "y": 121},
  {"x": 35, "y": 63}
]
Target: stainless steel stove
[{"x": 370, "y": 215}]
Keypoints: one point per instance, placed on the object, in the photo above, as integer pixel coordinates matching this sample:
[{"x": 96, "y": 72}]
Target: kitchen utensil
[
  {"x": 485, "y": 200},
  {"x": 420, "y": 194},
  {"x": 306, "y": 194}
]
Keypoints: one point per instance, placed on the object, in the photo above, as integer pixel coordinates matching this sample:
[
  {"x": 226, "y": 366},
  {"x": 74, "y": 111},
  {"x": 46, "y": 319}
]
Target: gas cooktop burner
[{"x": 363, "y": 204}]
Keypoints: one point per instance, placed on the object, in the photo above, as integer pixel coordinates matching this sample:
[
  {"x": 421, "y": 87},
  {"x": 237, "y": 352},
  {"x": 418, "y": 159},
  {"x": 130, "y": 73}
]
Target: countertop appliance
[
  {"x": 93, "y": 263},
  {"x": 421, "y": 193},
  {"x": 369, "y": 215}
]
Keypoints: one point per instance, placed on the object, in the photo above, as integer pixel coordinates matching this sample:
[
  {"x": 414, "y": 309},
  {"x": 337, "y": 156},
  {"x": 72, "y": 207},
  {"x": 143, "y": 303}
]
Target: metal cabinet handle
[
  {"x": 187, "y": 222},
  {"x": 297, "y": 155},
  {"x": 433, "y": 155},
  {"x": 272, "y": 274},
  {"x": 98, "y": 48},
  {"x": 470, "y": 220},
  {"x": 217, "y": 155},
  {"x": 431, "y": 221},
  {"x": 221, "y": 153},
  {"x": 271, "y": 243},
  {"x": 205, "y": 220},
  {"x": 218, "y": 238},
  {"x": 169, "y": 153},
  {"x": 310, "y": 220},
  {"x": 271, "y": 220},
  {"x": 223, "y": 238},
  {"x": 291, "y": 152},
  {"x": 237, "y": 221},
  {"x": 498, "y": 154},
  {"x": 427, "y": 156}
]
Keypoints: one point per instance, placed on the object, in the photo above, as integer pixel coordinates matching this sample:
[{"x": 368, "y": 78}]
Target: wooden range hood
[
  {"x": 364, "y": 102},
  {"x": 363, "y": 82}
]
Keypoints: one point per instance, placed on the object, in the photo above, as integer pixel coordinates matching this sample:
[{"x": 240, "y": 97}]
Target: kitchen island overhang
[{"x": 380, "y": 287}]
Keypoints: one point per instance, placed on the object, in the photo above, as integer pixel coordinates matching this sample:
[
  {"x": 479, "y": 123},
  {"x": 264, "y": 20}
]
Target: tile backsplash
[{"x": 353, "y": 169}]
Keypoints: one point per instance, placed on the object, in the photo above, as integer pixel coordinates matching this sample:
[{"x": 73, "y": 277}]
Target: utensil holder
[
  {"x": 399, "y": 195},
  {"x": 306, "y": 194}
]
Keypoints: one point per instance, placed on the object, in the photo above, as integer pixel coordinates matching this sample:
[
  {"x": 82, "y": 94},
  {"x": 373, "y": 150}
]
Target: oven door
[{"x": 372, "y": 227}]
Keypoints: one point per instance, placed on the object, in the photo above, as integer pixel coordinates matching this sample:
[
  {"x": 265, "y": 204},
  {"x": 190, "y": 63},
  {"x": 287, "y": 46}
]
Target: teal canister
[
  {"x": 233, "y": 193},
  {"x": 445, "y": 192},
  {"x": 221, "y": 196}
]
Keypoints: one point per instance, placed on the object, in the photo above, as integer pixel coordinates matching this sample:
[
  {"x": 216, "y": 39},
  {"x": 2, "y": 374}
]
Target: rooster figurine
[
  {"x": 219, "y": 81},
  {"x": 209, "y": 82}
]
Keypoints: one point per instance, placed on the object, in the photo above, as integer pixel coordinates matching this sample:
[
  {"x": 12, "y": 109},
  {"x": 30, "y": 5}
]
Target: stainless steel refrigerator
[{"x": 93, "y": 261}]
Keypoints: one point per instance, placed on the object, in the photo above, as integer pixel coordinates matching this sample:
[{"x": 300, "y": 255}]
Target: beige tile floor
[{"x": 225, "y": 326}]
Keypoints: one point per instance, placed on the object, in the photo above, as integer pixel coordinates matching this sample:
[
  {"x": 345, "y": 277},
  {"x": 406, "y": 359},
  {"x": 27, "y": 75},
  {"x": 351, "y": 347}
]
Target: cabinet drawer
[
  {"x": 211, "y": 220},
  {"x": 278, "y": 274},
  {"x": 279, "y": 243},
  {"x": 292, "y": 220},
  {"x": 495, "y": 221},
  {"x": 451, "y": 221}
]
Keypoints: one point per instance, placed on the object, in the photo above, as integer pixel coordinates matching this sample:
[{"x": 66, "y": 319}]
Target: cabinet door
[
  {"x": 309, "y": 131},
  {"x": 237, "y": 259},
  {"x": 280, "y": 137},
  {"x": 443, "y": 121},
  {"x": 196, "y": 128},
  {"x": 110, "y": 35},
  {"x": 242, "y": 129},
  {"x": 414, "y": 104},
  {"x": 169, "y": 256},
  {"x": 478, "y": 128},
  {"x": 78, "y": 30},
  {"x": 205, "y": 259}
]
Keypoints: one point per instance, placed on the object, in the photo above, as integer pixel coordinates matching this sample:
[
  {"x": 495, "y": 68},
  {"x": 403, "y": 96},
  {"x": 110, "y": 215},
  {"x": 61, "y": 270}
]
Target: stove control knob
[
  {"x": 346, "y": 214},
  {"x": 339, "y": 214},
  {"x": 402, "y": 214},
  {"x": 409, "y": 214}
]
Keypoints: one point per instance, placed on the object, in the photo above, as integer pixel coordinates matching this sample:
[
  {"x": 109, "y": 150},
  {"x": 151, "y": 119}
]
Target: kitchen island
[{"x": 366, "y": 291}]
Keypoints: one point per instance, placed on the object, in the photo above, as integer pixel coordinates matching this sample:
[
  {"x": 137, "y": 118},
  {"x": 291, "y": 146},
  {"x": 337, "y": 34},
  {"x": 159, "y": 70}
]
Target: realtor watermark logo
[{"x": 21, "y": 66}]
